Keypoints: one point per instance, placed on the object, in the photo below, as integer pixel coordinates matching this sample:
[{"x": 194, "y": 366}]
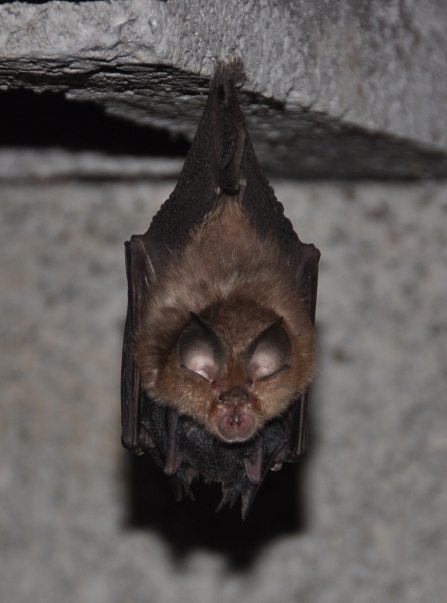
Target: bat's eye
[
  {"x": 268, "y": 353},
  {"x": 200, "y": 350}
]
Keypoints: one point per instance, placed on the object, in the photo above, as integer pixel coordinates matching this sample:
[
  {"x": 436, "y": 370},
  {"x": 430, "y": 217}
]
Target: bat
[{"x": 219, "y": 350}]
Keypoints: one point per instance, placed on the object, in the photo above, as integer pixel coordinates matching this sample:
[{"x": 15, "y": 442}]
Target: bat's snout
[{"x": 236, "y": 421}]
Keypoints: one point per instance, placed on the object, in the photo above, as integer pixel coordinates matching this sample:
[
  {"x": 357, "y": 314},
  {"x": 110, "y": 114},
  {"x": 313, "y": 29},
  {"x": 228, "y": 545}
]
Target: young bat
[{"x": 218, "y": 349}]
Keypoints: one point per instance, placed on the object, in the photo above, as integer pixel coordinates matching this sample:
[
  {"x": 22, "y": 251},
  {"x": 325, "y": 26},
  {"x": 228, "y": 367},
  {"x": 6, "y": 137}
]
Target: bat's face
[
  {"x": 233, "y": 373},
  {"x": 234, "y": 382}
]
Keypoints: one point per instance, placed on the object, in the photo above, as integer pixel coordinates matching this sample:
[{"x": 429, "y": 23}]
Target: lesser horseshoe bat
[{"x": 218, "y": 349}]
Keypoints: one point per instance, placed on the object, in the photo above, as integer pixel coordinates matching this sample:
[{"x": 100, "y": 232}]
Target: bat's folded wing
[{"x": 138, "y": 270}]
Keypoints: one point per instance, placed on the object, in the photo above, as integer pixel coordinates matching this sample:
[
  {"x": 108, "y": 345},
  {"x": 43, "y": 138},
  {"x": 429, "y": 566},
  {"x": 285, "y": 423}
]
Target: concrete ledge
[{"x": 345, "y": 90}]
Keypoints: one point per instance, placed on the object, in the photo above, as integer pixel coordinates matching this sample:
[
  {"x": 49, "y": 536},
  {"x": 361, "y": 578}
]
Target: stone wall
[{"x": 372, "y": 494}]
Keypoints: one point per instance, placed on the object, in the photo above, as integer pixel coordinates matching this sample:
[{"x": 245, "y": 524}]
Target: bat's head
[
  {"x": 234, "y": 372},
  {"x": 235, "y": 380}
]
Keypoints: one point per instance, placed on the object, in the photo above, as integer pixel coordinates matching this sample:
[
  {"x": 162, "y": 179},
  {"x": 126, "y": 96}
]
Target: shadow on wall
[
  {"x": 277, "y": 510},
  {"x": 33, "y": 120}
]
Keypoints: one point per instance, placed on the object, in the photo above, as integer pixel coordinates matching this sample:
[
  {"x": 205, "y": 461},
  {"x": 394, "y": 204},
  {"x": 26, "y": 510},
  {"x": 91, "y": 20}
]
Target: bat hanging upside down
[{"x": 219, "y": 340}]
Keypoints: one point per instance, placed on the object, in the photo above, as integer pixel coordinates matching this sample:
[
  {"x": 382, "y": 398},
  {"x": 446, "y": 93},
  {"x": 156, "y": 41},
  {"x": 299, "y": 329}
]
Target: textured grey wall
[
  {"x": 342, "y": 89},
  {"x": 375, "y": 488}
]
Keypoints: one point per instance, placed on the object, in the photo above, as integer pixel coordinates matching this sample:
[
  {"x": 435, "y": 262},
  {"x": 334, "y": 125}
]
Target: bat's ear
[
  {"x": 200, "y": 350},
  {"x": 268, "y": 353}
]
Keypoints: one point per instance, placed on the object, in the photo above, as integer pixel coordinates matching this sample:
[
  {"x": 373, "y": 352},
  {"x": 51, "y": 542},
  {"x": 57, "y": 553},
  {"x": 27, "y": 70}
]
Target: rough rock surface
[
  {"x": 55, "y": 163},
  {"x": 375, "y": 484},
  {"x": 342, "y": 89}
]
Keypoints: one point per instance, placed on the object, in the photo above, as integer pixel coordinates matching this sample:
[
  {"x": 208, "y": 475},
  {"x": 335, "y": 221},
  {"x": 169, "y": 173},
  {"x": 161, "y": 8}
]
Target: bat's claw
[{"x": 276, "y": 467}]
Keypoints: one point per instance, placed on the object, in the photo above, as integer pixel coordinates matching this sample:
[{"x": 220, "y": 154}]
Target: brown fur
[{"x": 239, "y": 285}]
